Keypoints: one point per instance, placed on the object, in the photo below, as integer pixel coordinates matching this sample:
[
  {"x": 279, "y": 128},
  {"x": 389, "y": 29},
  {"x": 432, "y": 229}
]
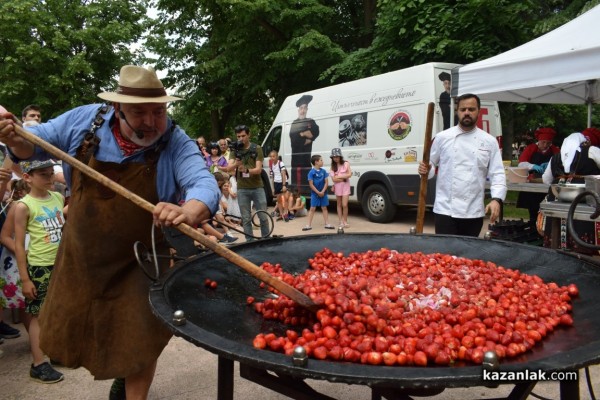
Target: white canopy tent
[{"x": 562, "y": 66}]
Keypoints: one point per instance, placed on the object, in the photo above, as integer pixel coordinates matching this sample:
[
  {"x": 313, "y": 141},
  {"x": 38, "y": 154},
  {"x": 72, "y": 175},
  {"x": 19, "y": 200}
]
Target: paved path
[{"x": 189, "y": 372}]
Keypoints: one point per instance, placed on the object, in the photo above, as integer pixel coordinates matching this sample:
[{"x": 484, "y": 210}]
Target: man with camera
[{"x": 246, "y": 161}]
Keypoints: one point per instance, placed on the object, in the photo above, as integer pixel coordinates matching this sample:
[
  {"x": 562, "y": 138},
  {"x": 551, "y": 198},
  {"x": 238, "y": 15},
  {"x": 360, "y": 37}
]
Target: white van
[{"x": 379, "y": 123}]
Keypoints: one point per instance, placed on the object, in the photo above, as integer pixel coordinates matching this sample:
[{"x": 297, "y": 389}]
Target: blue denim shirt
[{"x": 182, "y": 174}]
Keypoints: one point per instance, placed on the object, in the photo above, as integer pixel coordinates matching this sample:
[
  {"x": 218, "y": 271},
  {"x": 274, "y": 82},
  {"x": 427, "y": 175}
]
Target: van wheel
[
  {"x": 377, "y": 204},
  {"x": 269, "y": 196},
  {"x": 267, "y": 188}
]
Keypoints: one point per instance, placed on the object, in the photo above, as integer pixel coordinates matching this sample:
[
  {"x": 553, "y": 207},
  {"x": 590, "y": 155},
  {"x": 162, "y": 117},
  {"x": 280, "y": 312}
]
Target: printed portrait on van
[
  {"x": 303, "y": 132},
  {"x": 445, "y": 98},
  {"x": 399, "y": 125},
  {"x": 353, "y": 130}
]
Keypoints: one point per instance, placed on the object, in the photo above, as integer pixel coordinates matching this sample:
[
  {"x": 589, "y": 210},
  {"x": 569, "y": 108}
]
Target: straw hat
[{"x": 138, "y": 85}]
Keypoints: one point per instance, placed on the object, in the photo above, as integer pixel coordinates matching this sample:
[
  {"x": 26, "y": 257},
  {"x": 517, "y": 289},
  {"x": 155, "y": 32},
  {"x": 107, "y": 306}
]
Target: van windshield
[{"x": 272, "y": 141}]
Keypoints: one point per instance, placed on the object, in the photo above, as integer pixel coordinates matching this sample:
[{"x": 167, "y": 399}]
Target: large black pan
[{"x": 220, "y": 321}]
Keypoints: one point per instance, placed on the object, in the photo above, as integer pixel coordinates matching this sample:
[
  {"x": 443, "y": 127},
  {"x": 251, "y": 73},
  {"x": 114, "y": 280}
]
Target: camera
[
  {"x": 240, "y": 152},
  {"x": 237, "y": 148}
]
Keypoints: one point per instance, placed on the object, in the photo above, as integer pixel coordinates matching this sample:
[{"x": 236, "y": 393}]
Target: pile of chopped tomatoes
[{"x": 389, "y": 308}]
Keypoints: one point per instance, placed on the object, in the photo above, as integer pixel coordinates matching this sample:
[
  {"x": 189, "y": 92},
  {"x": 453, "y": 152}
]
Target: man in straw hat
[{"x": 96, "y": 313}]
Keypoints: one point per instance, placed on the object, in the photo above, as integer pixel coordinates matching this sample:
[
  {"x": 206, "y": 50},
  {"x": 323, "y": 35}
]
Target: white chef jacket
[{"x": 465, "y": 160}]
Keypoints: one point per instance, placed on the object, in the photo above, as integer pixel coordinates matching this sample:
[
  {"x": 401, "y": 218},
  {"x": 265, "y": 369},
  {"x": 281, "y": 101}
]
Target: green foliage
[
  {"x": 244, "y": 59},
  {"x": 234, "y": 61},
  {"x": 61, "y": 53},
  {"x": 410, "y": 32}
]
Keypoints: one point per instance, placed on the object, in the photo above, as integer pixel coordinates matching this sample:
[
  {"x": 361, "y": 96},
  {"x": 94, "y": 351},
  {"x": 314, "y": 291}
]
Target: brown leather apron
[{"x": 97, "y": 314}]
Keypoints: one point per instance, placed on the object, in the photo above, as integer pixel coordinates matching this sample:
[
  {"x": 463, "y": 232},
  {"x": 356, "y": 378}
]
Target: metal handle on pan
[{"x": 570, "y": 225}]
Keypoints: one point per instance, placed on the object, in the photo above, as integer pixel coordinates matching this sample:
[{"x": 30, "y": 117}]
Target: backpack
[{"x": 281, "y": 171}]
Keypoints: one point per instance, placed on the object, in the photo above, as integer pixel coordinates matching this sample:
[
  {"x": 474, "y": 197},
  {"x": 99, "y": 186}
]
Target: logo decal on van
[
  {"x": 390, "y": 156},
  {"x": 410, "y": 155},
  {"x": 354, "y": 156},
  {"x": 353, "y": 130},
  {"x": 399, "y": 125}
]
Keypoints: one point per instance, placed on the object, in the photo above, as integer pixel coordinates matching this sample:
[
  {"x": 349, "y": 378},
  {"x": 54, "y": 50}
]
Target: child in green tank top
[{"x": 40, "y": 213}]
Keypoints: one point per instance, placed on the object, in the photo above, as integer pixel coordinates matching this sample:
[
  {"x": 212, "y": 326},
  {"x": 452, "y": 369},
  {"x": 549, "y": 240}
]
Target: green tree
[
  {"x": 235, "y": 61},
  {"x": 61, "y": 53},
  {"x": 412, "y": 32}
]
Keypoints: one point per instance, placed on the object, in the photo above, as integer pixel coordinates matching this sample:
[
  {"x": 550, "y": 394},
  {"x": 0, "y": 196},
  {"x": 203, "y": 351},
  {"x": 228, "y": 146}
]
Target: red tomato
[
  {"x": 442, "y": 358},
  {"x": 420, "y": 359},
  {"x": 276, "y": 344},
  {"x": 259, "y": 342},
  {"x": 566, "y": 319},
  {"x": 291, "y": 335},
  {"x": 329, "y": 332},
  {"x": 573, "y": 290},
  {"x": 374, "y": 358},
  {"x": 389, "y": 358},
  {"x": 320, "y": 353},
  {"x": 369, "y": 305}
]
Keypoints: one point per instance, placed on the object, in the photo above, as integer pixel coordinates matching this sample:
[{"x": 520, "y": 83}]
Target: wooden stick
[
  {"x": 222, "y": 251},
  {"x": 426, "y": 151}
]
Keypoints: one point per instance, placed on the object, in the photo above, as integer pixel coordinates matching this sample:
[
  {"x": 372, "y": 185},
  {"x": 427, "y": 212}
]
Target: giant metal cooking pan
[{"x": 219, "y": 320}]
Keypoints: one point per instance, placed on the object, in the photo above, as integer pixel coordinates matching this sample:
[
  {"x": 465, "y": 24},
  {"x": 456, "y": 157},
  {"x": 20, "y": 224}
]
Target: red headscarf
[
  {"x": 545, "y": 134},
  {"x": 593, "y": 135}
]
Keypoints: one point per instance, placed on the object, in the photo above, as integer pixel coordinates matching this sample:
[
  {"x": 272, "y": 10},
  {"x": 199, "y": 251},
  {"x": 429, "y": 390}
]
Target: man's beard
[
  {"x": 470, "y": 124},
  {"x": 148, "y": 140}
]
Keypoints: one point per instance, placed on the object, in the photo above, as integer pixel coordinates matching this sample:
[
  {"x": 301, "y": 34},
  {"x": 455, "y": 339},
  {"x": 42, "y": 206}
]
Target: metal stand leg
[
  {"x": 555, "y": 233},
  {"x": 569, "y": 390},
  {"x": 293, "y": 388},
  {"x": 225, "y": 379},
  {"x": 521, "y": 391}
]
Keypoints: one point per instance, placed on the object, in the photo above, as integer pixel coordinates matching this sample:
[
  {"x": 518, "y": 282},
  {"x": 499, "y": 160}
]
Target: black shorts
[
  {"x": 277, "y": 187},
  {"x": 40, "y": 276}
]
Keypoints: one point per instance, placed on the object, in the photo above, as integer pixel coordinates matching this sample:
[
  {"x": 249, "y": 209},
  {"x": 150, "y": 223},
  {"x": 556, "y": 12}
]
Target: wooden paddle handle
[
  {"x": 222, "y": 251},
  {"x": 426, "y": 151}
]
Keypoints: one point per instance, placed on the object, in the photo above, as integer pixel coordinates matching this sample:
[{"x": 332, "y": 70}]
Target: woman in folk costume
[
  {"x": 535, "y": 157},
  {"x": 579, "y": 156}
]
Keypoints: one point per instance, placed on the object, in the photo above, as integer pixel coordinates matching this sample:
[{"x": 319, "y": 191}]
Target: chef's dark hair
[{"x": 468, "y": 96}]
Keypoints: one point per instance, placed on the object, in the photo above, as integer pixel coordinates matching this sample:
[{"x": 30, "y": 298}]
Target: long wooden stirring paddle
[
  {"x": 222, "y": 251},
  {"x": 426, "y": 151}
]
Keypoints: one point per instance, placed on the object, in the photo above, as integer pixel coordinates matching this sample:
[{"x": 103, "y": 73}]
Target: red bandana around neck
[{"x": 126, "y": 146}]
